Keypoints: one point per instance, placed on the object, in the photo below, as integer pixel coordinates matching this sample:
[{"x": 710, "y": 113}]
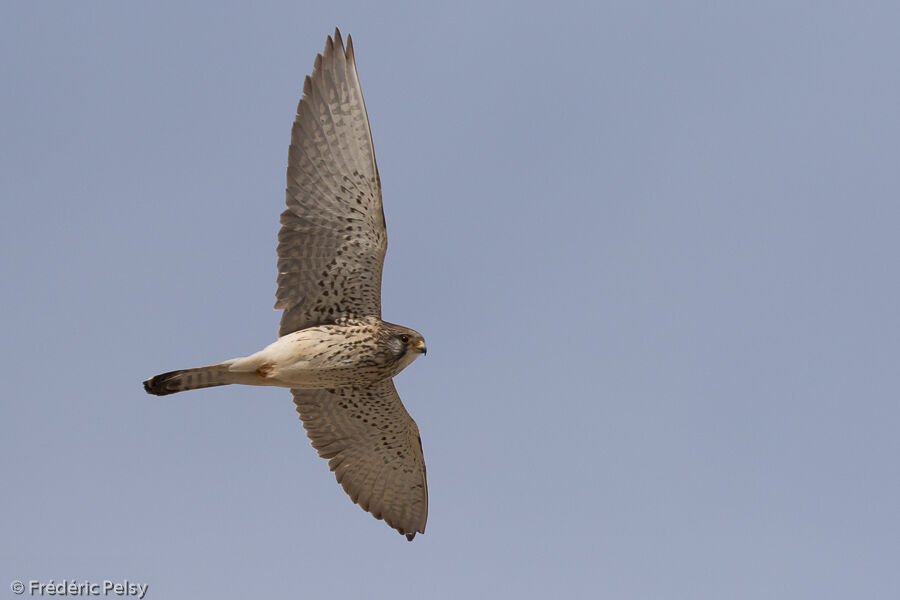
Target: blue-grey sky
[{"x": 653, "y": 248}]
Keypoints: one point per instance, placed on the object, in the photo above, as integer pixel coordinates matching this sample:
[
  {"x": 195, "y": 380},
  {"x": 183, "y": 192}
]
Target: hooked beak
[{"x": 420, "y": 347}]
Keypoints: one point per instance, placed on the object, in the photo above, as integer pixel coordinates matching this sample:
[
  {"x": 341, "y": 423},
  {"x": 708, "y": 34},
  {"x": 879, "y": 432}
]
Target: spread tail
[{"x": 190, "y": 379}]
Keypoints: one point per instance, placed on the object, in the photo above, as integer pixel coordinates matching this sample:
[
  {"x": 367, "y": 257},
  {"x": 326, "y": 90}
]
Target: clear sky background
[{"x": 653, "y": 248}]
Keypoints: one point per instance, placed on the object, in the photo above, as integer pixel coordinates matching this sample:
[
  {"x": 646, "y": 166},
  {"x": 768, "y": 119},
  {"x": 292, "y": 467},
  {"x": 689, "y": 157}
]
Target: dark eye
[{"x": 404, "y": 339}]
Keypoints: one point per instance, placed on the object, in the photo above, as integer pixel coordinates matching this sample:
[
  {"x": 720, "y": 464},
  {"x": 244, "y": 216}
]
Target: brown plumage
[
  {"x": 334, "y": 352},
  {"x": 188, "y": 379}
]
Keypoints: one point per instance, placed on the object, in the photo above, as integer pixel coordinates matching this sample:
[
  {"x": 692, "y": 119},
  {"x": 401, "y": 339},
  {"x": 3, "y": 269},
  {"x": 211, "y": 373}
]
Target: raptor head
[{"x": 403, "y": 344}]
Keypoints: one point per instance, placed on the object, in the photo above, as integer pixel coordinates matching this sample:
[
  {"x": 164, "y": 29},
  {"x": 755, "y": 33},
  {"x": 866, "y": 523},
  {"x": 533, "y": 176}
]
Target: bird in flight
[{"x": 333, "y": 351}]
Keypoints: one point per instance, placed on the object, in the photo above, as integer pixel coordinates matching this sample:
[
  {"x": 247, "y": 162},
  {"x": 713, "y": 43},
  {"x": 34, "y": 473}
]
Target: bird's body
[
  {"x": 352, "y": 353},
  {"x": 335, "y": 353}
]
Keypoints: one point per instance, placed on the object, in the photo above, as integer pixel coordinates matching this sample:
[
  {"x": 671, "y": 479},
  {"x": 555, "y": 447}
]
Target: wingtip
[
  {"x": 336, "y": 42},
  {"x": 339, "y": 43}
]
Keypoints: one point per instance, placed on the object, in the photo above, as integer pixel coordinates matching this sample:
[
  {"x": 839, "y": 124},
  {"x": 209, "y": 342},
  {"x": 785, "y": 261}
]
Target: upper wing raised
[
  {"x": 332, "y": 240},
  {"x": 374, "y": 450}
]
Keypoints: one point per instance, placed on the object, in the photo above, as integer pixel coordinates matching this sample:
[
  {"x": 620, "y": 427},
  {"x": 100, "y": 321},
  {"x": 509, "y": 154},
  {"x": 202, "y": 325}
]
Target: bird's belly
[
  {"x": 314, "y": 358},
  {"x": 308, "y": 375}
]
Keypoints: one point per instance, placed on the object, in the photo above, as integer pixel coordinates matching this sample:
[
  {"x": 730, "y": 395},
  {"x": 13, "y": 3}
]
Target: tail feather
[{"x": 189, "y": 379}]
